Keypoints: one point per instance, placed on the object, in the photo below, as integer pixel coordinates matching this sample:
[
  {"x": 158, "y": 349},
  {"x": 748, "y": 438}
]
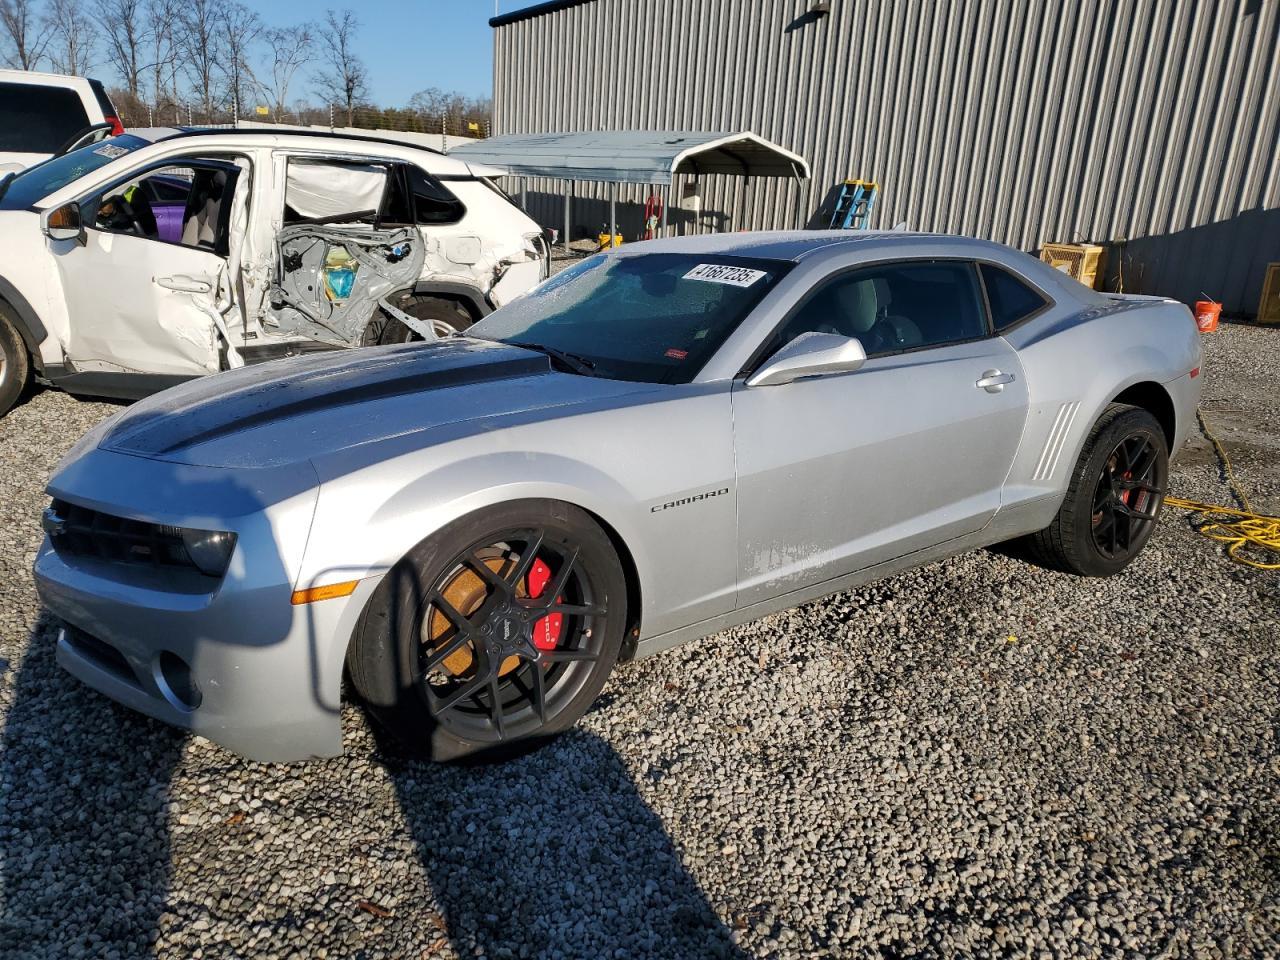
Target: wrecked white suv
[{"x": 161, "y": 255}]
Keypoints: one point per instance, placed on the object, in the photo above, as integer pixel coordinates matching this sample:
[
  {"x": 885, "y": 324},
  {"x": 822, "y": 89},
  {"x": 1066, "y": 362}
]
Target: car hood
[{"x": 304, "y": 408}]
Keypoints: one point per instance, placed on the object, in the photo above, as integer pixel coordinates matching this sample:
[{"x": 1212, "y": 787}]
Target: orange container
[{"x": 1207, "y": 313}]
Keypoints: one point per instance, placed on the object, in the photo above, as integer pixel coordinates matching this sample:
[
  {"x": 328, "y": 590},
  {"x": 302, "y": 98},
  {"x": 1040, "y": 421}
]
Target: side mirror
[
  {"x": 810, "y": 355},
  {"x": 63, "y": 223}
]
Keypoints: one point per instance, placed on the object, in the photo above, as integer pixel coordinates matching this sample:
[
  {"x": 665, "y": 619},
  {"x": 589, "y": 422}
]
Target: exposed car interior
[
  {"x": 896, "y": 307},
  {"x": 189, "y": 205}
]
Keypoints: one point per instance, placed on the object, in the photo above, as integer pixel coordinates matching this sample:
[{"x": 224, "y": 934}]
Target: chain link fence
[{"x": 334, "y": 118}]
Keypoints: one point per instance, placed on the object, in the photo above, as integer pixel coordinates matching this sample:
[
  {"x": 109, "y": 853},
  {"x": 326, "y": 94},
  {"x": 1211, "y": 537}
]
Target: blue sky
[{"x": 412, "y": 44}]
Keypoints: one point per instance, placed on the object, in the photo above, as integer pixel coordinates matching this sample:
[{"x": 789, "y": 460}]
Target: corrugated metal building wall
[{"x": 1152, "y": 122}]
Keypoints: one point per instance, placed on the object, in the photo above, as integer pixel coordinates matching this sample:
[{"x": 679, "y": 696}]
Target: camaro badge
[{"x": 687, "y": 500}]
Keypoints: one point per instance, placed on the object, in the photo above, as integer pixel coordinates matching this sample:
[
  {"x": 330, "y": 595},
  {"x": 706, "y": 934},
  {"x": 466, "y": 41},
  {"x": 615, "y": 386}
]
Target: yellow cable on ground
[{"x": 1242, "y": 530}]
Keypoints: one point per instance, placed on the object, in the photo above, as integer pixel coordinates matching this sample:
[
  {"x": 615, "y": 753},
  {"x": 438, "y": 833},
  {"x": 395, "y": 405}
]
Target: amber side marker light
[{"x": 312, "y": 594}]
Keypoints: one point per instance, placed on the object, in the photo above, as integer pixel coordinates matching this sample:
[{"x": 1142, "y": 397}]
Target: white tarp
[{"x": 323, "y": 190}]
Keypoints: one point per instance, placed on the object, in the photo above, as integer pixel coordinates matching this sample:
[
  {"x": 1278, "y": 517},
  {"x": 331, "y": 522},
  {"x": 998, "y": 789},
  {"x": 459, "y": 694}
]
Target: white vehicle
[
  {"x": 161, "y": 255},
  {"x": 44, "y": 113}
]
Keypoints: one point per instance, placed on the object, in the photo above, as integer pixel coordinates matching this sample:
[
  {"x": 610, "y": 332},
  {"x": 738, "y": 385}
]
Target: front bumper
[
  {"x": 255, "y": 664},
  {"x": 233, "y": 661}
]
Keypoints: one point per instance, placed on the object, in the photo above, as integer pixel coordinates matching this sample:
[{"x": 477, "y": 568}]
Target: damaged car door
[
  {"x": 147, "y": 278},
  {"x": 336, "y": 257}
]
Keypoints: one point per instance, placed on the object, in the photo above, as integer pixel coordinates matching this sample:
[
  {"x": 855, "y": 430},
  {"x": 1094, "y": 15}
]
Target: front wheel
[
  {"x": 15, "y": 367},
  {"x": 494, "y": 634},
  {"x": 1114, "y": 497}
]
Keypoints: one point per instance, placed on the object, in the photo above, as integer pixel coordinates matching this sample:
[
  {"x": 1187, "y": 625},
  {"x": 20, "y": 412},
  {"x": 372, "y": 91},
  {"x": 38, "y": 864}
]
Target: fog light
[{"x": 176, "y": 682}]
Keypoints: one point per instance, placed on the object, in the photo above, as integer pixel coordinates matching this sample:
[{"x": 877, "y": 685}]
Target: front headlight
[{"x": 209, "y": 550}]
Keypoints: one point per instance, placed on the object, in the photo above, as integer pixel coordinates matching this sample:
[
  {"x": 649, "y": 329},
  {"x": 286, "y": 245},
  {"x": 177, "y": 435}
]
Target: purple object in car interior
[{"x": 169, "y": 220}]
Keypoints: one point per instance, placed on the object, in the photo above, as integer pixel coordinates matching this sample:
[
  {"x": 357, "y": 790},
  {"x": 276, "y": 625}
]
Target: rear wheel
[
  {"x": 15, "y": 365},
  {"x": 1114, "y": 498},
  {"x": 445, "y": 316},
  {"x": 495, "y": 634}
]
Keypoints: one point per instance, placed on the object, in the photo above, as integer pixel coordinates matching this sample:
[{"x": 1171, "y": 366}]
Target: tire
[
  {"x": 15, "y": 364},
  {"x": 1108, "y": 514},
  {"x": 436, "y": 640},
  {"x": 383, "y": 329}
]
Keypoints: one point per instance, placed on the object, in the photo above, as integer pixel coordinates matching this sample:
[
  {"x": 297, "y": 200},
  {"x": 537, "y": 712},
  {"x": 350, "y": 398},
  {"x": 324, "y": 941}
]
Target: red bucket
[{"x": 1207, "y": 313}]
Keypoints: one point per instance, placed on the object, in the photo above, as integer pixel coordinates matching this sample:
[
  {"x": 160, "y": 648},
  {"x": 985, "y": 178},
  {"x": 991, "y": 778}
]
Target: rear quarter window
[
  {"x": 38, "y": 119},
  {"x": 417, "y": 197},
  {"x": 1011, "y": 300}
]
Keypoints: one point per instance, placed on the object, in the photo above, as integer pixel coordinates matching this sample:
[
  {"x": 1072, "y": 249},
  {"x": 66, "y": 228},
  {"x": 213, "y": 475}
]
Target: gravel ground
[{"x": 977, "y": 758}]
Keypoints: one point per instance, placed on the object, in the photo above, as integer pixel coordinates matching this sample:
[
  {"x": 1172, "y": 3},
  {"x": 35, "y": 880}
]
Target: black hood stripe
[{"x": 302, "y": 393}]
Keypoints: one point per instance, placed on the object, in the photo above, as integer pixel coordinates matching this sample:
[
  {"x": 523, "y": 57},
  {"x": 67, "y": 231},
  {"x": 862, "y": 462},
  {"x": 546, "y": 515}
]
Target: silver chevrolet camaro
[{"x": 658, "y": 443}]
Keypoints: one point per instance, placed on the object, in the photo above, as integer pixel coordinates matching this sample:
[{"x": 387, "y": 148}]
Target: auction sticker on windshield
[
  {"x": 111, "y": 151},
  {"x": 724, "y": 273}
]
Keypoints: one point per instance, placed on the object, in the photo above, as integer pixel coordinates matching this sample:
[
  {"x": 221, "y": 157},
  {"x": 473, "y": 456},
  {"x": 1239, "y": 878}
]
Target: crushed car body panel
[
  {"x": 331, "y": 278},
  {"x": 179, "y": 272}
]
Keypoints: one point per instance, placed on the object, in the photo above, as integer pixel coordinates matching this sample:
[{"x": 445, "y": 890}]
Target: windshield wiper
[
  {"x": 574, "y": 363},
  {"x": 7, "y": 179}
]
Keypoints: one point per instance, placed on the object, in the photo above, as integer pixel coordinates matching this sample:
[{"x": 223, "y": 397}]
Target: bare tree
[
  {"x": 290, "y": 48},
  {"x": 240, "y": 28},
  {"x": 74, "y": 36},
  {"x": 429, "y": 102},
  {"x": 124, "y": 39},
  {"x": 27, "y": 34},
  {"x": 343, "y": 81},
  {"x": 198, "y": 44},
  {"x": 162, "y": 46},
  {"x": 434, "y": 103}
]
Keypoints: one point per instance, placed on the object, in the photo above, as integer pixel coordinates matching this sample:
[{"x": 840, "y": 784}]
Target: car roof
[
  {"x": 43, "y": 79},
  {"x": 184, "y": 131},
  {"x": 303, "y": 139},
  {"x": 797, "y": 245}
]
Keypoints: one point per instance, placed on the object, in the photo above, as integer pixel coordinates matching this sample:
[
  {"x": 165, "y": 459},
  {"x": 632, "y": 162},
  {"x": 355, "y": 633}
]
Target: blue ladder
[{"x": 854, "y": 204}]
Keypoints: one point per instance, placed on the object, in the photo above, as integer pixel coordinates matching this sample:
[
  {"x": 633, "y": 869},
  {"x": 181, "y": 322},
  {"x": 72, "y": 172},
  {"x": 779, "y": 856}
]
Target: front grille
[{"x": 80, "y": 532}]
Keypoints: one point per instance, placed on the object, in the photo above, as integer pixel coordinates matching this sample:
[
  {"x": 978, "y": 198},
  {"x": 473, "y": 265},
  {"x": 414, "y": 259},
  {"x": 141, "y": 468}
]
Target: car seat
[
  {"x": 204, "y": 208},
  {"x": 863, "y": 314}
]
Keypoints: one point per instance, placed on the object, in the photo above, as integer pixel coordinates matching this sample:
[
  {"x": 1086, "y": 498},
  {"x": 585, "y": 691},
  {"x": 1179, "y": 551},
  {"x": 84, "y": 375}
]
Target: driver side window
[
  {"x": 180, "y": 204},
  {"x": 894, "y": 307}
]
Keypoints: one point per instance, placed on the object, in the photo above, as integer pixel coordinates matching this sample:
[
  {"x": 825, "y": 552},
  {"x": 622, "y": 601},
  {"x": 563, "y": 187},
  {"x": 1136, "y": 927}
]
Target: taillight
[{"x": 117, "y": 127}]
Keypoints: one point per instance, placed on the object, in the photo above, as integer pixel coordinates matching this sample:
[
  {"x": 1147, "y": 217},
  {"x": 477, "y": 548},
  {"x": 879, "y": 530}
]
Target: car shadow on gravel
[
  {"x": 553, "y": 854},
  {"x": 84, "y": 846},
  {"x": 525, "y": 859}
]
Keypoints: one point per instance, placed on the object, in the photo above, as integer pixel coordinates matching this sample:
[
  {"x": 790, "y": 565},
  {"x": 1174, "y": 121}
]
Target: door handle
[
  {"x": 184, "y": 284},
  {"x": 993, "y": 381}
]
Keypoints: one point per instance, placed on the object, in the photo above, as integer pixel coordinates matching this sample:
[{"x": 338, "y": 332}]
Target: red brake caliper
[{"x": 546, "y": 632}]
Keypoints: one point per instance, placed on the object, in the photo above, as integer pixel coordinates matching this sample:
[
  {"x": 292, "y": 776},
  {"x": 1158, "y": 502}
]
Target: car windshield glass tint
[
  {"x": 35, "y": 118},
  {"x": 33, "y": 185},
  {"x": 653, "y": 318}
]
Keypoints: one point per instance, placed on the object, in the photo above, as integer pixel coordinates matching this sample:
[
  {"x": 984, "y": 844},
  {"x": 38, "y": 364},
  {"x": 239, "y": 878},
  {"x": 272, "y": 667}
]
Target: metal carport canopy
[{"x": 634, "y": 156}]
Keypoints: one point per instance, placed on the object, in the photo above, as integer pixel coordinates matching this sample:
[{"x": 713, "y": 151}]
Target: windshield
[
  {"x": 35, "y": 183},
  {"x": 652, "y": 318}
]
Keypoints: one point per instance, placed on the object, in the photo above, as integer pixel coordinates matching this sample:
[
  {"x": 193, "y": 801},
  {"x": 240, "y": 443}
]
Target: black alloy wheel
[
  {"x": 494, "y": 634},
  {"x": 1127, "y": 499},
  {"x": 503, "y": 632},
  {"x": 1113, "y": 497}
]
